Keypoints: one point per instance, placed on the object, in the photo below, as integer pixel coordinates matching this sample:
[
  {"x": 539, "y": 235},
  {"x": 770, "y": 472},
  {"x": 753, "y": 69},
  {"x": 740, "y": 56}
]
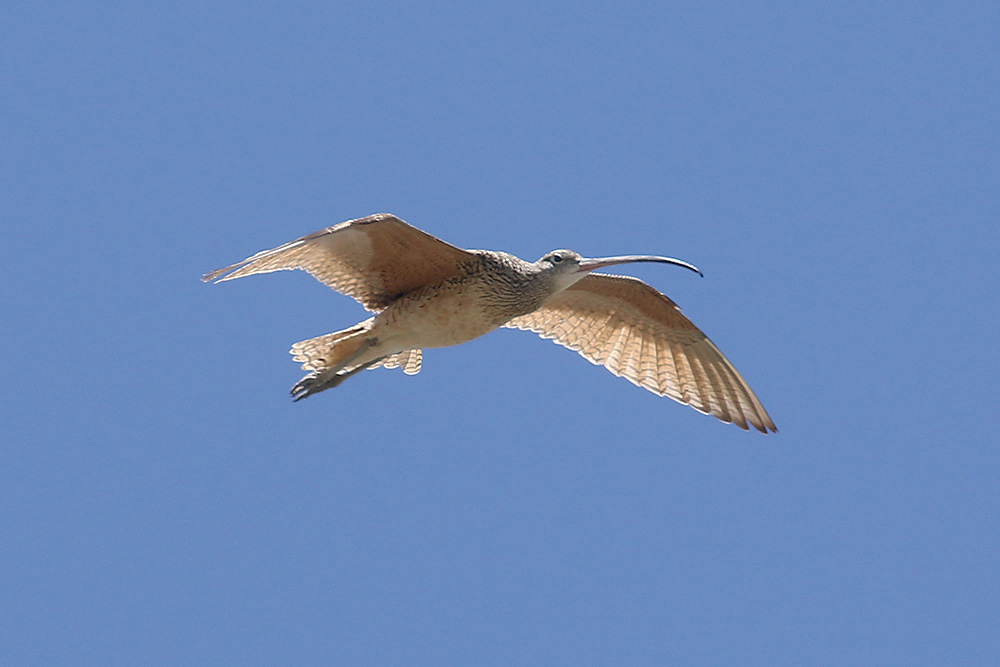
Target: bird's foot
[{"x": 320, "y": 381}]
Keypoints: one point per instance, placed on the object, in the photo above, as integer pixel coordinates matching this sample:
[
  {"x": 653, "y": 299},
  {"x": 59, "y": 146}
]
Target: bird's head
[{"x": 566, "y": 267}]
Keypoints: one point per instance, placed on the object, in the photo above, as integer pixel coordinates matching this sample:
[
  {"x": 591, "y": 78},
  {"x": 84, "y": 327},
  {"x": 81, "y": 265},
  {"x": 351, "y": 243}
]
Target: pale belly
[{"x": 439, "y": 320}]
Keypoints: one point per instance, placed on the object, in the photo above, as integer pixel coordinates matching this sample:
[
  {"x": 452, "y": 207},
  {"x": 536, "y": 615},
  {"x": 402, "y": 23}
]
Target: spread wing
[
  {"x": 374, "y": 259},
  {"x": 640, "y": 334}
]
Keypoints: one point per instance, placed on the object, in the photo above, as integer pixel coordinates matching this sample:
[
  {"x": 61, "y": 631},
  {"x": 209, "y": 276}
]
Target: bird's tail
[
  {"x": 324, "y": 352},
  {"x": 334, "y": 357},
  {"x": 409, "y": 360},
  {"x": 331, "y": 359}
]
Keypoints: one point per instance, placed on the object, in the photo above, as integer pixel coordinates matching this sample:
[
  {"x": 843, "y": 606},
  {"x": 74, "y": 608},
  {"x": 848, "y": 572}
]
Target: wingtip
[
  {"x": 211, "y": 276},
  {"x": 218, "y": 275},
  {"x": 766, "y": 428}
]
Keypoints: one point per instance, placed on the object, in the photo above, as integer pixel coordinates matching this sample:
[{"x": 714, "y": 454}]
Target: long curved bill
[{"x": 601, "y": 262}]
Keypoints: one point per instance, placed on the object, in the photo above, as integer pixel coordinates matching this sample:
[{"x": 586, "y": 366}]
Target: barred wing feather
[{"x": 640, "y": 334}]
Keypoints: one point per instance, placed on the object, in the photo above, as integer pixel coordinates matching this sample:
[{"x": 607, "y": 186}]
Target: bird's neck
[{"x": 511, "y": 286}]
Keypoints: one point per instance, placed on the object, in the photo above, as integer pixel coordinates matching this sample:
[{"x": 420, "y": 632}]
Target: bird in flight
[{"x": 427, "y": 293}]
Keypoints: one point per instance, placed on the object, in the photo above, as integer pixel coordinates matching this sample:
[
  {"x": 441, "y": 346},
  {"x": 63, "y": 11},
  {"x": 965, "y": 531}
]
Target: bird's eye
[{"x": 556, "y": 258}]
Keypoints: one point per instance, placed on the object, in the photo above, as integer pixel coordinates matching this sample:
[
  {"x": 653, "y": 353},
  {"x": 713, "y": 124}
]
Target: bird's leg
[
  {"x": 328, "y": 378},
  {"x": 314, "y": 382}
]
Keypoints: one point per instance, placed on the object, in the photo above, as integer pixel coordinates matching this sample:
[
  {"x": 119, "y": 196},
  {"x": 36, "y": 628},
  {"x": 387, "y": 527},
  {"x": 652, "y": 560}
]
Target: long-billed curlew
[{"x": 428, "y": 293}]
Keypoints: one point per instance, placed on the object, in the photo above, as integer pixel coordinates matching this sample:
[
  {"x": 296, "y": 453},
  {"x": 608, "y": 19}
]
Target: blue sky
[{"x": 833, "y": 169}]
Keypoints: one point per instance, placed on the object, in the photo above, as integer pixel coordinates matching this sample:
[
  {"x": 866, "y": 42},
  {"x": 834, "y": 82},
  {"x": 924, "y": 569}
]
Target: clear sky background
[{"x": 833, "y": 169}]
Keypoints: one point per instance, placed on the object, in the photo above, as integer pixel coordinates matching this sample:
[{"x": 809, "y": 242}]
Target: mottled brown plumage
[
  {"x": 640, "y": 334},
  {"x": 428, "y": 293},
  {"x": 374, "y": 259}
]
